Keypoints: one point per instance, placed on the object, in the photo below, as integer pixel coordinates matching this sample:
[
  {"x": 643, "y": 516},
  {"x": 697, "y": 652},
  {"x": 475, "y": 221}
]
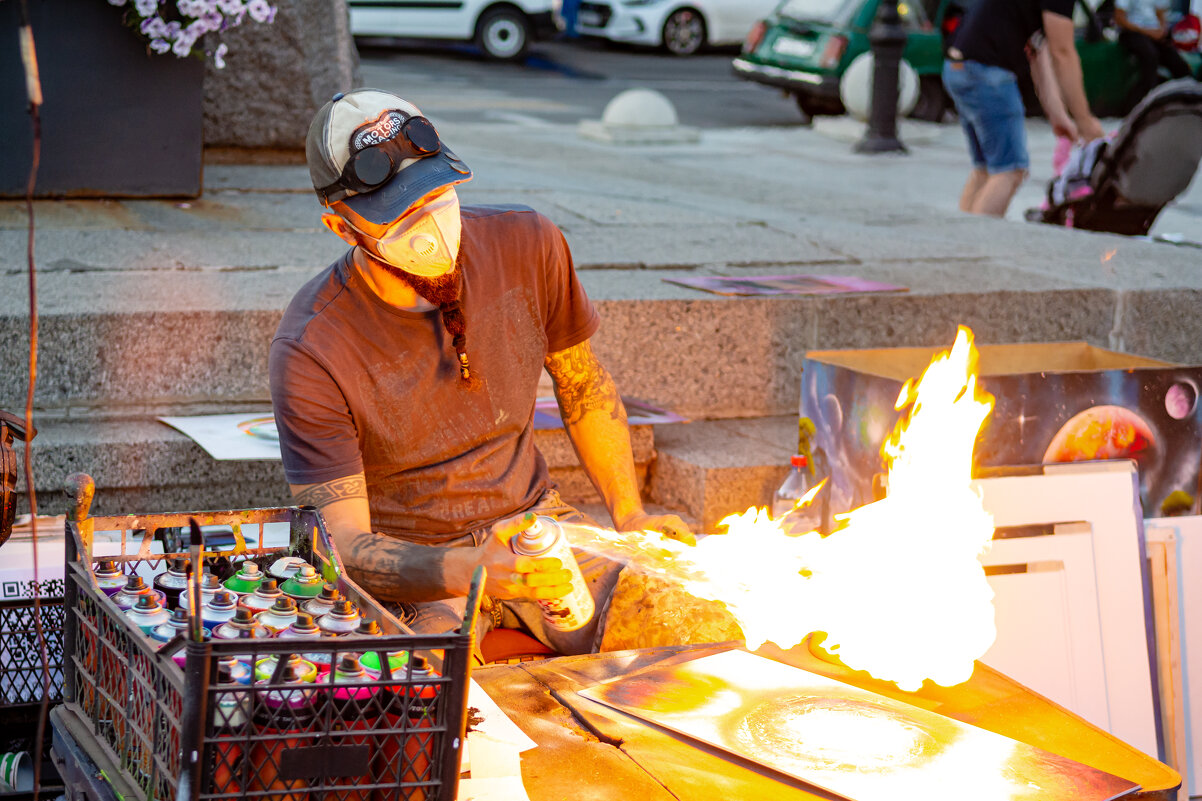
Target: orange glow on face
[{"x": 898, "y": 587}]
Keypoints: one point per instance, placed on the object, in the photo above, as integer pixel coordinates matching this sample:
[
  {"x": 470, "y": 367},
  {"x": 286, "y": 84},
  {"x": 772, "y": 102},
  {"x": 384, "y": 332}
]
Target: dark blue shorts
[{"x": 991, "y": 112}]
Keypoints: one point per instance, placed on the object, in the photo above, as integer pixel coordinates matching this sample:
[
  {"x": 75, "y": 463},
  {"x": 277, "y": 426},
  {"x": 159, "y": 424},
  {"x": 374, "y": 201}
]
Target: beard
[{"x": 441, "y": 291}]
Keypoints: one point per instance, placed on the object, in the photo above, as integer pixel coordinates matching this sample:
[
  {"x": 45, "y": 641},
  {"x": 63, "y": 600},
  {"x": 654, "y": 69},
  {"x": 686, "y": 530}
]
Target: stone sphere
[
  {"x": 855, "y": 87},
  {"x": 640, "y": 108}
]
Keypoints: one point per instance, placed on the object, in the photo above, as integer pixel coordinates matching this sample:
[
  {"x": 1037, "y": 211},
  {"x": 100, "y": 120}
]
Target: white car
[
  {"x": 682, "y": 27},
  {"x": 503, "y": 29}
]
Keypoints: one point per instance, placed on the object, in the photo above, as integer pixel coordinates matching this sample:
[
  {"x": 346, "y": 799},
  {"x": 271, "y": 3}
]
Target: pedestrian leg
[
  {"x": 972, "y": 187},
  {"x": 1146, "y": 55},
  {"x": 994, "y": 197}
]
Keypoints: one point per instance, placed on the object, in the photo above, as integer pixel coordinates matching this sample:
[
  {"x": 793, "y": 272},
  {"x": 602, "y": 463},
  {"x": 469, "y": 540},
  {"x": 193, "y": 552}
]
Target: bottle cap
[{"x": 799, "y": 460}]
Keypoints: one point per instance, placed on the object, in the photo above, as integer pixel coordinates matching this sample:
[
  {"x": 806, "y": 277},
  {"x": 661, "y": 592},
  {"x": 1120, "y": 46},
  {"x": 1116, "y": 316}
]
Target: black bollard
[{"x": 888, "y": 40}]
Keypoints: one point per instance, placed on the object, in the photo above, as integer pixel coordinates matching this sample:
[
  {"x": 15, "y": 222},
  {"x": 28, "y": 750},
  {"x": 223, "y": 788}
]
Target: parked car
[
  {"x": 804, "y": 47},
  {"x": 502, "y": 29},
  {"x": 682, "y": 27}
]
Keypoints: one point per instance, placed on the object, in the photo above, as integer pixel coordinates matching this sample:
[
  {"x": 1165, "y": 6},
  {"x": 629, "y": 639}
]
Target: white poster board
[{"x": 1073, "y": 604}]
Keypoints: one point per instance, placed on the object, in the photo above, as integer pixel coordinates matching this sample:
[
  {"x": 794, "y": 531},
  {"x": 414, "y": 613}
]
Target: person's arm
[
  {"x": 395, "y": 570},
  {"x": 1066, "y": 64},
  {"x": 1123, "y": 21},
  {"x": 595, "y": 419},
  {"x": 1049, "y": 95}
]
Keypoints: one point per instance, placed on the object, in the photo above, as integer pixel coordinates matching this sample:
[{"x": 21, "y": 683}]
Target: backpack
[{"x": 10, "y": 426}]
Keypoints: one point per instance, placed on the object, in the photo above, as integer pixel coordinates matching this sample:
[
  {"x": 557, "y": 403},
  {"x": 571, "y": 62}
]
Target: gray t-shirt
[{"x": 361, "y": 386}]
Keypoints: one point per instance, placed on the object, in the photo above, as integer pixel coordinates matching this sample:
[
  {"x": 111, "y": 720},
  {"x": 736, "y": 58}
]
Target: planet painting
[
  {"x": 1102, "y": 432},
  {"x": 1180, "y": 400}
]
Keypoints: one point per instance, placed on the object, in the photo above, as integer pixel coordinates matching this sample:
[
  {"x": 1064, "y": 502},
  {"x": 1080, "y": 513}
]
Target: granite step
[{"x": 713, "y": 468}]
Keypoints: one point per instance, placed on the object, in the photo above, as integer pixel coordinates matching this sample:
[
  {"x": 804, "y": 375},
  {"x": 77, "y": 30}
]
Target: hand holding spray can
[{"x": 545, "y": 538}]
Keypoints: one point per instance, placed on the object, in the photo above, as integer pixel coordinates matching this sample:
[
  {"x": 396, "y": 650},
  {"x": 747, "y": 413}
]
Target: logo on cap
[{"x": 379, "y": 130}]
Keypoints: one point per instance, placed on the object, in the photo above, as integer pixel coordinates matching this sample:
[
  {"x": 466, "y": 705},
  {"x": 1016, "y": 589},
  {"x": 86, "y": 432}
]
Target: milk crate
[{"x": 391, "y": 736}]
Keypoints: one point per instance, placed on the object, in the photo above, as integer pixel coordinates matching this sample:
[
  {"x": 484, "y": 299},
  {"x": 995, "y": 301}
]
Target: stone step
[
  {"x": 711, "y": 469},
  {"x": 147, "y": 466}
]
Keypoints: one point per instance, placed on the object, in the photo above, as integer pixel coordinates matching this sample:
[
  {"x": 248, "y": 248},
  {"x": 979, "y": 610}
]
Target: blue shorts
[{"x": 991, "y": 112}]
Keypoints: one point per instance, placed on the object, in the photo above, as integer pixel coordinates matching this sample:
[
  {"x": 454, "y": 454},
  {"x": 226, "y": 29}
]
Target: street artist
[{"x": 404, "y": 378}]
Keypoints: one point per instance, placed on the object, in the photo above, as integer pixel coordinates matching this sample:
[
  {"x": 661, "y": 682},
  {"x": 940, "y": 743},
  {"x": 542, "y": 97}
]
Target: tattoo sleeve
[
  {"x": 583, "y": 385},
  {"x": 390, "y": 569},
  {"x": 320, "y": 495}
]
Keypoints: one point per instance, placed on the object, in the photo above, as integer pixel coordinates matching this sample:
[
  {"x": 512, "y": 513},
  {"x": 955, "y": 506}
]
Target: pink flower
[
  {"x": 160, "y": 45},
  {"x": 260, "y": 11},
  {"x": 219, "y": 56},
  {"x": 232, "y": 7},
  {"x": 183, "y": 45},
  {"x": 146, "y": 8},
  {"x": 154, "y": 27}
]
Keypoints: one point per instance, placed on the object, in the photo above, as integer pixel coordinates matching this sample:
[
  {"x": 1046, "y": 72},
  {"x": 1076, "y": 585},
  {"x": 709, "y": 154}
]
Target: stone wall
[{"x": 276, "y": 76}]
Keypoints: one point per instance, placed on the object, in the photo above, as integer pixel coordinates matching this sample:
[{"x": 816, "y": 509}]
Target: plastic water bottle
[{"x": 797, "y": 484}]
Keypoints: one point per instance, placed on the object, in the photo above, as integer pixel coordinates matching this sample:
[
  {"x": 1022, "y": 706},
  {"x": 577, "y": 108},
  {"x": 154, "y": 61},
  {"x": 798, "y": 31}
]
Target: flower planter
[{"x": 116, "y": 121}]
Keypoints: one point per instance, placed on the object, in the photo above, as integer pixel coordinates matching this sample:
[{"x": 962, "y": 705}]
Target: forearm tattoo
[
  {"x": 322, "y": 495},
  {"x": 583, "y": 385},
  {"x": 395, "y": 570}
]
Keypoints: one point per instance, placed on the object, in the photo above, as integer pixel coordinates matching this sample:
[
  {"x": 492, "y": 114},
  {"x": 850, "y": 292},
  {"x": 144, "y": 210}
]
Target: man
[
  {"x": 1144, "y": 30},
  {"x": 999, "y": 43},
  {"x": 404, "y": 378}
]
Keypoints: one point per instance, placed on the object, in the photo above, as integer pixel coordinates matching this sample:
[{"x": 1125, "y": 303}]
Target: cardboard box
[{"x": 1054, "y": 402}]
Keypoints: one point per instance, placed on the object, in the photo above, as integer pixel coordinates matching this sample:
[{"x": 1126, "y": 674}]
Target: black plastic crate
[
  {"x": 22, "y": 679},
  {"x": 397, "y": 737}
]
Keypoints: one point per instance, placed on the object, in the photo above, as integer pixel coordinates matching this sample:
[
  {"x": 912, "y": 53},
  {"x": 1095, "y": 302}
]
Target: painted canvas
[{"x": 845, "y": 740}]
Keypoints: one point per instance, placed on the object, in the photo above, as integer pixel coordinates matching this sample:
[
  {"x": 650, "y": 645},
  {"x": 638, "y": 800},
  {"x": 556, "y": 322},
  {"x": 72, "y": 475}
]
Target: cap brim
[{"x": 408, "y": 186}]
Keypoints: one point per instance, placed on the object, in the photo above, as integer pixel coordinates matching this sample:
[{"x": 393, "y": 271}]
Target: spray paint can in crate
[
  {"x": 219, "y": 609},
  {"x": 354, "y": 709},
  {"x": 285, "y": 718},
  {"x": 263, "y": 597},
  {"x": 231, "y": 716},
  {"x": 173, "y": 581},
  {"x": 303, "y": 585},
  {"x": 411, "y": 705},
  {"x": 546, "y": 538},
  {"x": 209, "y": 585},
  {"x": 285, "y": 567},
  {"x": 134, "y": 589},
  {"x": 323, "y": 603},
  {"x": 109, "y": 577},
  {"x": 338, "y": 622},
  {"x": 280, "y": 616},
  {"x": 303, "y": 628},
  {"x": 246, "y": 580}
]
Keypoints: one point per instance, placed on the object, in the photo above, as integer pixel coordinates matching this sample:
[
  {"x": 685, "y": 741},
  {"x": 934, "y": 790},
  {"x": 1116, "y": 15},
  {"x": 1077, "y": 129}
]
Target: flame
[
  {"x": 898, "y": 588},
  {"x": 1108, "y": 255}
]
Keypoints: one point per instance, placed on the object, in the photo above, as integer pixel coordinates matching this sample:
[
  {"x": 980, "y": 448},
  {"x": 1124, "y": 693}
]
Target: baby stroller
[{"x": 1120, "y": 184}]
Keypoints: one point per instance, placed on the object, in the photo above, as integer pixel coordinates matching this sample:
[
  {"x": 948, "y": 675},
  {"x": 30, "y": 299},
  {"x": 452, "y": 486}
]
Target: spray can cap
[
  {"x": 268, "y": 587},
  {"x": 250, "y": 569},
  {"x": 369, "y": 627},
  {"x": 244, "y": 614},
  {"x": 179, "y": 616},
  {"x": 223, "y": 599},
  {"x": 147, "y": 603},
  {"x": 135, "y": 583},
  {"x": 304, "y": 622},
  {"x": 209, "y": 581},
  {"x": 329, "y": 592}
]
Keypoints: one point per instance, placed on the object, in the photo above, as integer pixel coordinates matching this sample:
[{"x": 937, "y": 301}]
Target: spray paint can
[
  {"x": 371, "y": 659},
  {"x": 280, "y": 616},
  {"x": 263, "y": 597},
  {"x": 134, "y": 589},
  {"x": 303, "y": 628},
  {"x": 246, "y": 580},
  {"x": 209, "y": 585},
  {"x": 231, "y": 715},
  {"x": 410, "y": 707},
  {"x": 341, "y": 620},
  {"x": 303, "y": 585},
  {"x": 285, "y": 567},
  {"x": 110, "y": 578},
  {"x": 176, "y": 624},
  {"x": 218, "y": 609},
  {"x": 546, "y": 538},
  {"x": 147, "y": 613},
  {"x": 352, "y": 701},
  {"x": 173, "y": 582},
  {"x": 323, "y": 603},
  {"x": 288, "y": 709}
]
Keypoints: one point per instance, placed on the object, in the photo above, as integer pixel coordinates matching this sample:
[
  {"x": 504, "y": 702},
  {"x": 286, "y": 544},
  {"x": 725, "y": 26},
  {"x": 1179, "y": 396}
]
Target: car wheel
[
  {"x": 811, "y": 106},
  {"x": 932, "y": 101},
  {"x": 503, "y": 34},
  {"x": 684, "y": 32}
]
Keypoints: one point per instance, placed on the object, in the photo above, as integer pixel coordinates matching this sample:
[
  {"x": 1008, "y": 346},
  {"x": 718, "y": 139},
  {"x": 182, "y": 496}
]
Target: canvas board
[{"x": 843, "y": 739}]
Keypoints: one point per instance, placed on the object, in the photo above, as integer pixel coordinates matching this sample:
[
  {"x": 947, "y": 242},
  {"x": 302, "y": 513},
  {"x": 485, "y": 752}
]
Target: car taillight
[
  {"x": 833, "y": 52},
  {"x": 755, "y": 36}
]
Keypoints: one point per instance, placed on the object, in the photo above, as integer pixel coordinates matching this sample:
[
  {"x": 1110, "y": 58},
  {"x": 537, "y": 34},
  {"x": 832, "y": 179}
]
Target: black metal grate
[{"x": 21, "y": 675}]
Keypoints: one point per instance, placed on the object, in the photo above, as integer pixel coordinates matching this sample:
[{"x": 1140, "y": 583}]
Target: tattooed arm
[
  {"x": 394, "y": 570},
  {"x": 595, "y": 419}
]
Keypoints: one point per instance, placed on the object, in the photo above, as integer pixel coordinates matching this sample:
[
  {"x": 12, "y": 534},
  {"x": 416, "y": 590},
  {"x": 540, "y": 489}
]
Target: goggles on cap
[{"x": 378, "y": 161}]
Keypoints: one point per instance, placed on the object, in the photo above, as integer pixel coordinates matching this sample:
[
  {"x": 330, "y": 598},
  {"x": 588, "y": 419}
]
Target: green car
[{"x": 805, "y": 45}]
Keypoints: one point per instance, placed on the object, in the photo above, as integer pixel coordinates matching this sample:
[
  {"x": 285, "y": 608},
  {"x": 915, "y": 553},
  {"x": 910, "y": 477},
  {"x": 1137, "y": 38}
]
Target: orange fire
[{"x": 898, "y": 587}]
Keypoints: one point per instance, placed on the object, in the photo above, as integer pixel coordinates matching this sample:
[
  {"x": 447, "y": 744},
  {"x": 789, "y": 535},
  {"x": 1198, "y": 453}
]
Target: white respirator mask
[{"x": 426, "y": 243}]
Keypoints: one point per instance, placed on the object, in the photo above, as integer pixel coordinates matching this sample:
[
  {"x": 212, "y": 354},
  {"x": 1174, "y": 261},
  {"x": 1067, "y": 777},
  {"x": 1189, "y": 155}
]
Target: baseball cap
[{"x": 364, "y": 118}]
